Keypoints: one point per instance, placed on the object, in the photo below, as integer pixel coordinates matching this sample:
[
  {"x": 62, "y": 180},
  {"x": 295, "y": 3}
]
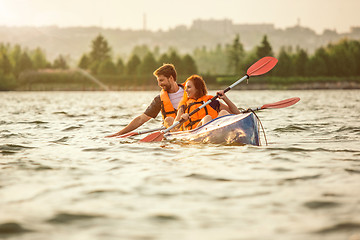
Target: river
[{"x": 61, "y": 179}]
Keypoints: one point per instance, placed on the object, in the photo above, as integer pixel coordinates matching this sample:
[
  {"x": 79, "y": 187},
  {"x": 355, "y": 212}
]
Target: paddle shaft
[
  {"x": 150, "y": 130},
  {"x": 206, "y": 103}
]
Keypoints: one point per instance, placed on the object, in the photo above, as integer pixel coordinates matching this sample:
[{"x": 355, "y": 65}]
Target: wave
[
  {"x": 71, "y": 128},
  {"x": 65, "y": 218},
  {"x": 341, "y": 227},
  {"x": 292, "y": 128},
  {"x": 12, "y": 228},
  {"x": 33, "y": 122},
  {"x": 70, "y": 115},
  {"x": 321, "y": 204},
  {"x": 298, "y": 149},
  {"x": 12, "y": 148}
]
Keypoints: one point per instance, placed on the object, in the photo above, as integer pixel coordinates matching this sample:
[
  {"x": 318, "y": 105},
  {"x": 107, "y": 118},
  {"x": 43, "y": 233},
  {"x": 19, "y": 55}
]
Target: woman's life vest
[
  {"x": 167, "y": 109},
  {"x": 192, "y": 104}
]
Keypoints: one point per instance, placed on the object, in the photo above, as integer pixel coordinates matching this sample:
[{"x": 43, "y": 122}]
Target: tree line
[
  {"x": 339, "y": 59},
  {"x": 142, "y": 60}
]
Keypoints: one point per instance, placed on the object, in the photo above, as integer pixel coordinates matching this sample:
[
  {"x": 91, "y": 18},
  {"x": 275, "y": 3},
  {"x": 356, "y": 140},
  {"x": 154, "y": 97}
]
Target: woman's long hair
[{"x": 199, "y": 84}]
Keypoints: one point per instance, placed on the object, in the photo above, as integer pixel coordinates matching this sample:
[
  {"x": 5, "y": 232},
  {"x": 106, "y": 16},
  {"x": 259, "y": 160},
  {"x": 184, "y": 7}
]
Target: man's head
[
  {"x": 166, "y": 70},
  {"x": 166, "y": 77}
]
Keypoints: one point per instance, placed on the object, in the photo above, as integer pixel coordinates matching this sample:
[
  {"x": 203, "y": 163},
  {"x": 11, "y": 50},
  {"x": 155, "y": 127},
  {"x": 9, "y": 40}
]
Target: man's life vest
[
  {"x": 192, "y": 104},
  {"x": 167, "y": 109}
]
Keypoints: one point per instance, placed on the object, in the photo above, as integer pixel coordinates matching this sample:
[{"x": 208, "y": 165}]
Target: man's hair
[
  {"x": 166, "y": 70},
  {"x": 199, "y": 85}
]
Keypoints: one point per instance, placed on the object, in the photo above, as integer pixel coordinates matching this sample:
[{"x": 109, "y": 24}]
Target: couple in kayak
[{"x": 176, "y": 101}]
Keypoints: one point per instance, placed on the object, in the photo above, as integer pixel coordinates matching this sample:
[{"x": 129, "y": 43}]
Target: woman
[{"x": 196, "y": 95}]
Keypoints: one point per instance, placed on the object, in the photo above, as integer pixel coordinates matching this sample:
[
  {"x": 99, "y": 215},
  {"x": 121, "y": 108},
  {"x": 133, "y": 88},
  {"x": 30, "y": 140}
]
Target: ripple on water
[
  {"x": 164, "y": 218},
  {"x": 71, "y": 128},
  {"x": 61, "y": 140},
  {"x": 321, "y": 204},
  {"x": 291, "y": 128},
  {"x": 67, "y": 218},
  {"x": 348, "y": 227},
  {"x": 100, "y": 149},
  {"x": 11, "y": 229},
  {"x": 33, "y": 122},
  {"x": 8, "y": 149}
]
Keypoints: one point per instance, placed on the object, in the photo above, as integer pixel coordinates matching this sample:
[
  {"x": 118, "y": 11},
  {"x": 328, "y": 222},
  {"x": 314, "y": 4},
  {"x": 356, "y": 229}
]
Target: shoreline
[{"x": 343, "y": 85}]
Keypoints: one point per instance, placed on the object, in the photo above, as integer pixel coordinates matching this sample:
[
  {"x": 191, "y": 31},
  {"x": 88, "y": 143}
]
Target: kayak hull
[{"x": 238, "y": 129}]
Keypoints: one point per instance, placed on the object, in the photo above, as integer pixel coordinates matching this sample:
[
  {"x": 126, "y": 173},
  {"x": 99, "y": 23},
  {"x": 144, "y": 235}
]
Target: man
[{"x": 167, "y": 101}]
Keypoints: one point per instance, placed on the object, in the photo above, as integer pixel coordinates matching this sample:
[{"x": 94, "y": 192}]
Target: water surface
[{"x": 61, "y": 179}]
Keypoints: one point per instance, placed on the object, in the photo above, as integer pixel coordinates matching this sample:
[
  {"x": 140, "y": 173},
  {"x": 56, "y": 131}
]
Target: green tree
[
  {"x": 39, "y": 59},
  {"x": 189, "y": 65},
  {"x": 5, "y": 64},
  {"x": 285, "y": 67},
  {"x": 341, "y": 58},
  {"x": 25, "y": 62},
  {"x": 15, "y": 57},
  {"x": 120, "y": 66},
  {"x": 319, "y": 63},
  {"x": 164, "y": 58},
  {"x": 133, "y": 65},
  {"x": 264, "y": 49},
  {"x": 301, "y": 61},
  {"x": 60, "y": 63},
  {"x": 176, "y": 60},
  {"x": 100, "y": 52},
  {"x": 107, "y": 67},
  {"x": 236, "y": 54},
  {"x": 84, "y": 62},
  {"x": 148, "y": 65}
]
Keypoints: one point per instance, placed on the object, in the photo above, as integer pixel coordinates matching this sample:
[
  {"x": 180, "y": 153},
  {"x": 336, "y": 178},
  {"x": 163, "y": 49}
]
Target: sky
[{"x": 339, "y": 15}]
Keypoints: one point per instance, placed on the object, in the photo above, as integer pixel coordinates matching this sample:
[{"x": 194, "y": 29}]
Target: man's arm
[{"x": 134, "y": 124}]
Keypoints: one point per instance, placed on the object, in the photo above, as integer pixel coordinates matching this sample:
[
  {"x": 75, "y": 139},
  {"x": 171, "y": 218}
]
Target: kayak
[{"x": 238, "y": 129}]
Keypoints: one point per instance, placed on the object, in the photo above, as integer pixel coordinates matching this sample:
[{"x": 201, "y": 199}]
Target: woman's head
[{"x": 195, "y": 87}]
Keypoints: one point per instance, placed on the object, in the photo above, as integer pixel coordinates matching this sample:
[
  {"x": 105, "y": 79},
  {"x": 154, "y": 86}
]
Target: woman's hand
[
  {"x": 185, "y": 116},
  {"x": 221, "y": 94}
]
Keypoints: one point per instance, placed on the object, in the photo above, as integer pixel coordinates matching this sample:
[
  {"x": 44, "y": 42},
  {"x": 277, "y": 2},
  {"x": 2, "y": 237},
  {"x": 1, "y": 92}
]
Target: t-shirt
[{"x": 175, "y": 98}]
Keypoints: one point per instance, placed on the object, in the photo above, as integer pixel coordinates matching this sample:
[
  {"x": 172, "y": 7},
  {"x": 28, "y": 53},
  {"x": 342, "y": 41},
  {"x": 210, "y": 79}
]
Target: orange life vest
[
  {"x": 167, "y": 109},
  {"x": 194, "y": 119}
]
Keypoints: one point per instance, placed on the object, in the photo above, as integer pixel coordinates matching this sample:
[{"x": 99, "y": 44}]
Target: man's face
[{"x": 164, "y": 82}]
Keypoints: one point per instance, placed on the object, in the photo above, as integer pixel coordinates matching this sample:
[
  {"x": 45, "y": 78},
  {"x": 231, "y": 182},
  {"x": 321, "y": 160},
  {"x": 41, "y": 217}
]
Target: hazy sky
[{"x": 161, "y": 14}]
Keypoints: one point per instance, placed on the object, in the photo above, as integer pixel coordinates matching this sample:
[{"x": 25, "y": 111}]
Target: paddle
[
  {"x": 262, "y": 66},
  {"x": 130, "y": 134},
  {"x": 280, "y": 104}
]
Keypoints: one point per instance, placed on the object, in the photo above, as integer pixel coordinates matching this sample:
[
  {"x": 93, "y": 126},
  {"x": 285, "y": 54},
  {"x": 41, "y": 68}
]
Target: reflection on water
[{"x": 60, "y": 178}]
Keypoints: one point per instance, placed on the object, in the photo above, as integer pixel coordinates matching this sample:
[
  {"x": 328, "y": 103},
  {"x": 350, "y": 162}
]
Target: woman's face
[{"x": 190, "y": 89}]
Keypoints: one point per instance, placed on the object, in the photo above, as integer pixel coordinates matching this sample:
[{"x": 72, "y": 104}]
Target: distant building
[
  {"x": 355, "y": 30},
  {"x": 226, "y": 27},
  {"x": 213, "y": 26}
]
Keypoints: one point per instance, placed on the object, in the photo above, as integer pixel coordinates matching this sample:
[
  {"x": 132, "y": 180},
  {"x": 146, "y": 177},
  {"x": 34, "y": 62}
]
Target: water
[{"x": 61, "y": 179}]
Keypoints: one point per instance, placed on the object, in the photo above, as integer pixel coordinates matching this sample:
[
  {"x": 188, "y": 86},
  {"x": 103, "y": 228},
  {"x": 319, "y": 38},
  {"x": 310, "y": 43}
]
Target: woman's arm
[
  {"x": 179, "y": 113},
  {"x": 230, "y": 106}
]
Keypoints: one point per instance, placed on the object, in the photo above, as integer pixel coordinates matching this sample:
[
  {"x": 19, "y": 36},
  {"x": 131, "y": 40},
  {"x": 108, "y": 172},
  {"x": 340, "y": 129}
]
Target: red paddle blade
[
  {"x": 128, "y": 134},
  {"x": 154, "y": 137},
  {"x": 282, "y": 104},
  {"x": 262, "y": 66}
]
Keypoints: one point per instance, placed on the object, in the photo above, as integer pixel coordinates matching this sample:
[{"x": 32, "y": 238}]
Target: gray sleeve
[{"x": 154, "y": 108}]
